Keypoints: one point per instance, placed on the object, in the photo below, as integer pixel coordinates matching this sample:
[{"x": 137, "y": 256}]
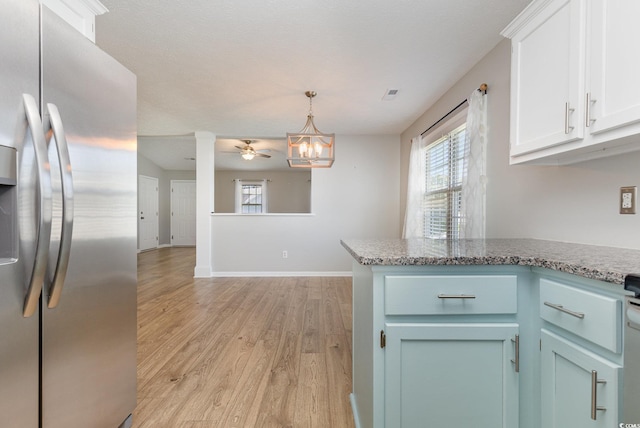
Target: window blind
[{"x": 445, "y": 169}]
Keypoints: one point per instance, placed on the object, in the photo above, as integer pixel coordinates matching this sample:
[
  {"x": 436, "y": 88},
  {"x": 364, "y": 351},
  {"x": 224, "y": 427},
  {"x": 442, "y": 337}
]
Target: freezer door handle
[
  {"x": 43, "y": 238},
  {"x": 53, "y": 126}
]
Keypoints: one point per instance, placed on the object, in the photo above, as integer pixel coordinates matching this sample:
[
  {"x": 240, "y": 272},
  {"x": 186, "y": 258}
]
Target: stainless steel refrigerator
[{"x": 67, "y": 226}]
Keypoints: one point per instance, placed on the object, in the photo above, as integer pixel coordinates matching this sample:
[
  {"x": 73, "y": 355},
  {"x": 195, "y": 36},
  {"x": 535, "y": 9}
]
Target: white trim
[
  {"x": 354, "y": 409},
  {"x": 529, "y": 13},
  {"x": 80, "y": 14},
  {"x": 446, "y": 126},
  {"x": 153, "y": 249},
  {"x": 276, "y": 274},
  {"x": 199, "y": 272},
  {"x": 265, "y": 214}
]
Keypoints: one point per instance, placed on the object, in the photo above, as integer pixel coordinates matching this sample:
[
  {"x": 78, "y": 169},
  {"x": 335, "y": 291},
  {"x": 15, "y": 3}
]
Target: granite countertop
[{"x": 590, "y": 261}]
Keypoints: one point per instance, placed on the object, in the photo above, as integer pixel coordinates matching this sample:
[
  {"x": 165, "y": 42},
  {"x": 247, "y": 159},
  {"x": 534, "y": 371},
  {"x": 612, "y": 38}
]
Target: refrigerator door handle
[
  {"x": 43, "y": 238},
  {"x": 53, "y": 122}
]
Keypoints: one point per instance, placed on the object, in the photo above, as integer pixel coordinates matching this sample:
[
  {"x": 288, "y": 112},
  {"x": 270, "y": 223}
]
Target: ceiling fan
[{"x": 248, "y": 152}]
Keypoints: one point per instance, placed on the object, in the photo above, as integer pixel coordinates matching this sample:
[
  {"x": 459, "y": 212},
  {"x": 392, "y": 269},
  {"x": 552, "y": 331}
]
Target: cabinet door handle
[
  {"x": 456, "y": 296},
  {"x": 566, "y": 311},
  {"x": 587, "y": 114},
  {"x": 567, "y": 111},
  {"x": 594, "y": 394},
  {"x": 516, "y": 361}
]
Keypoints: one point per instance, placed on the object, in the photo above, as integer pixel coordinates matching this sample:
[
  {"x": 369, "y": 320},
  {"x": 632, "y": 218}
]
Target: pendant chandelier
[{"x": 310, "y": 148}]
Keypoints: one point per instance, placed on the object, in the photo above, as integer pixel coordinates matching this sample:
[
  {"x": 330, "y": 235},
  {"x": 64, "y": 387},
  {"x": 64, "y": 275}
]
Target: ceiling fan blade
[
  {"x": 262, "y": 155},
  {"x": 263, "y": 150},
  {"x": 240, "y": 147}
]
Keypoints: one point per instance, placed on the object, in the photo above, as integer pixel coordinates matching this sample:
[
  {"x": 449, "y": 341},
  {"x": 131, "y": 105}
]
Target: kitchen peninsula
[{"x": 499, "y": 332}]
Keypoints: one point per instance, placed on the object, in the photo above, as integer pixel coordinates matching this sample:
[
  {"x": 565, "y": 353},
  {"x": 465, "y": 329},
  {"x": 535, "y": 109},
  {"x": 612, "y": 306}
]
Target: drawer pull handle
[
  {"x": 456, "y": 296},
  {"x": 566, "y": 311},
  {"x": 594, "y": 394}
]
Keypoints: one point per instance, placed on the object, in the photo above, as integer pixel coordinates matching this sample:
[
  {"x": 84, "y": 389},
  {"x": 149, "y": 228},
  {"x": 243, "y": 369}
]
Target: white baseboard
[
  {"x": 279, "y": 274},
  {"x": 165, "y": 246},
  {"x": 202, "y": 272},
  {"x": 354, "y": 409}
]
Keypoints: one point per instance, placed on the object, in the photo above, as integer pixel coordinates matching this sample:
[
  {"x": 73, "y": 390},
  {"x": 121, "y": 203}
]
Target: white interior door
[
  {"x": 183, "y": 212},
  {"x": 147, "y": 213}
]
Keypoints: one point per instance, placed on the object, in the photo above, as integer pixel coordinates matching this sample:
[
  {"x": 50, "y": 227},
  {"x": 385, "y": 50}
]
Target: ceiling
[
  {"x": 239, "y": 69},
  {"x": 178, "y": 153}
]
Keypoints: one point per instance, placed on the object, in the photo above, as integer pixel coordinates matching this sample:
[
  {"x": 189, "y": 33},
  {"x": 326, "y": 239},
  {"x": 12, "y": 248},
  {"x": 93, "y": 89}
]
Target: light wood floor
[{"x": 240, "y": 352}]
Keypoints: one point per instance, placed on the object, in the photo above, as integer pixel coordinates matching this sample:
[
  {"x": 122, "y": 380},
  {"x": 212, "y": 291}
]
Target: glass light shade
[
  {"x": 248, "y": 155},
  {"x": 310, "y": 148}
]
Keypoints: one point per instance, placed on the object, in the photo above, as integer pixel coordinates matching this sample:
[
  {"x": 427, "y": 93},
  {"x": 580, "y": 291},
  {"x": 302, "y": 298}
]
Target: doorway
[
  {"x": 147, "y": 213},
  {"x": 183, "y": 212}
]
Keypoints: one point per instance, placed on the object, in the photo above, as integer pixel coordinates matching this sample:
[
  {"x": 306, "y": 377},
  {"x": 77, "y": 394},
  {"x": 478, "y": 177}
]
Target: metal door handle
[
  {"x": 54, "y": 121},
  {"x": 456, "y": 296},
  {"x": 516, "y": 361},
  {"x": 567, "y": 111},
  {"x": 594, "y": 394},
  {"x": 43, "y": 238},
  {"x": 587, "y": 114},
  {"x": 566, "y": 311}
]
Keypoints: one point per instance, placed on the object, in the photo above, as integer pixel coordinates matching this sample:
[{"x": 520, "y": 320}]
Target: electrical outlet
[
  {"x": 628, "y": 200},
  {"x": 285, "y": 254}
]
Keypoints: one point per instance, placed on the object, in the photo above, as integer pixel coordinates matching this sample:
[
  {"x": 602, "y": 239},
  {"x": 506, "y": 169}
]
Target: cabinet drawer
[
  {"x": 592, "y": 316},
  {"x": 451, "y": 295}
]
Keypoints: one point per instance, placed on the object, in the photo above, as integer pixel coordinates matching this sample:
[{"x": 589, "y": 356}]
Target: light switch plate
[{"x": 628, "y": 196}]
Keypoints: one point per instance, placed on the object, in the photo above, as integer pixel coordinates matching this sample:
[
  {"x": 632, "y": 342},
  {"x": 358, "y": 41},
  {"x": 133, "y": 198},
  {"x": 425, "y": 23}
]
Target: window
[
  {"x": 446, "y": 183},
  {"x": 251, "y": 199},
  {"x": 445, "y": 170},
  {"x": 251, "y": 196}
]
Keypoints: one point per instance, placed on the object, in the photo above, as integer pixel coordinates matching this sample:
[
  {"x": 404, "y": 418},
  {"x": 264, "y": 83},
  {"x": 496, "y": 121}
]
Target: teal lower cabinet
[
  {"x": 451, "y": 375},
  {"x": 485, "y": 346},
  {"x": 579, "y": 388}
]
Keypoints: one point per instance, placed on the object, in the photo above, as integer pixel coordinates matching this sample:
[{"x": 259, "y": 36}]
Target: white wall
[
  {"x": 356, "y": 198},
  {"x": 576, "y": 203}
]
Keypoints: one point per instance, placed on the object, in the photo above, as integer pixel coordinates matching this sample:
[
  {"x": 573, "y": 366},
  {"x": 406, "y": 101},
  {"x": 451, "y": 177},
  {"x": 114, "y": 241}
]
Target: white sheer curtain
[
  {"x": 414, "y": 214},
  {"x": 474, "y": 183}
]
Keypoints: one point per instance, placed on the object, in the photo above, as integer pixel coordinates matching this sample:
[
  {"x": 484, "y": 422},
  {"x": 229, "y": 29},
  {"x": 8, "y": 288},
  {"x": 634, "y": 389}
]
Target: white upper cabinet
[
  {"x": 546, "y": 78},
  {"x": 573, "y": 92},
  {"x": 614, "y": 65}
]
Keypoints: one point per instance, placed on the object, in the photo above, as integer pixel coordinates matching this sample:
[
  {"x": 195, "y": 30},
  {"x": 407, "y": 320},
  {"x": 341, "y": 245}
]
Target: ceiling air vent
[{"x": 390, "y": 94}]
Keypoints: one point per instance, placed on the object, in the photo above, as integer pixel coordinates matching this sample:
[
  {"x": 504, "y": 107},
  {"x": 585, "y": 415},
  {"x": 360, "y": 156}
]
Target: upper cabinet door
[
  {"x": 547, "y": 82},
  {"x": 614, "y": 97},
  {"x": 574, "y": 94}
]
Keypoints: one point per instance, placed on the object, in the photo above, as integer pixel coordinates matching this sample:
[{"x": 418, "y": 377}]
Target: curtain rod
[{"x": 482, "y": 88}]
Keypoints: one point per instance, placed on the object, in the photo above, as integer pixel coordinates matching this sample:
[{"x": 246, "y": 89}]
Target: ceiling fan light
[
  {"x": 305, "y": 149},
  {"x": 248, "y": 155}
]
